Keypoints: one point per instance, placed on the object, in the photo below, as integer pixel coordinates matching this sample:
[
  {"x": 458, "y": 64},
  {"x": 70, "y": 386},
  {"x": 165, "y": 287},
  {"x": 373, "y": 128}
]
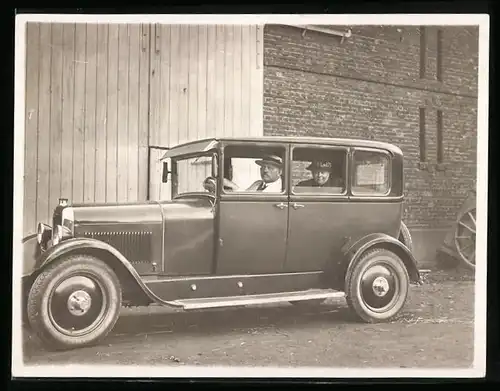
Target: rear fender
[
  {"x": 115, "y": 259},
  {"x": 380, "y": 240}
]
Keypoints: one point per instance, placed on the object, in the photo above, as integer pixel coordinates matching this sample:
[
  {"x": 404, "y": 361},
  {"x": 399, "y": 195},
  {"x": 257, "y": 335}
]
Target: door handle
[
  {"x": 281, "y": 205},
  {"x": 297, "y": 206}
]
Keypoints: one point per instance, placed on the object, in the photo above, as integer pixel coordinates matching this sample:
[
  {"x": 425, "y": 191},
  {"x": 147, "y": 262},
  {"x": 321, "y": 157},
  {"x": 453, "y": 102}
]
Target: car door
[
  {"x": 318, "y": 215},
  {"x": 252, "y": 224}
]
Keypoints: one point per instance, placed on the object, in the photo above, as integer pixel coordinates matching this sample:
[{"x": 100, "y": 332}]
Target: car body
[{"x": 213, "y": 245}]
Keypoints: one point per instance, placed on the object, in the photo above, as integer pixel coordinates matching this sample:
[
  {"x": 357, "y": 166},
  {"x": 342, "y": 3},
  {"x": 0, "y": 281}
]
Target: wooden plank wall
[
  {"x": 86, "y": 115},
  {"x": 206, "y": 80},
  {"x": 99, "y": 96}
]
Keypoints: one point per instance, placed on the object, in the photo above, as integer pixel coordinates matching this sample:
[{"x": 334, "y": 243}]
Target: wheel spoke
[
  {"x": 466, "y": 247},
  {"x": 472, "y": 217},
  {"x": 466, "y": 226}
]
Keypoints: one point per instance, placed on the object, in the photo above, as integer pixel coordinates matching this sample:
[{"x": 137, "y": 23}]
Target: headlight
[
  {"x": 67, "y": 219},
  {"x": 57, "y": 235},
  {"x": 60, "y": 233},
  {"x": 43, "y": 234}
]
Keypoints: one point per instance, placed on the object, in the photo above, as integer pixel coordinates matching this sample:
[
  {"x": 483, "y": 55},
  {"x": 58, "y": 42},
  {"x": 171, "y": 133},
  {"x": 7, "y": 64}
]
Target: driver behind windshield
[{"x": 271, "y": 168}]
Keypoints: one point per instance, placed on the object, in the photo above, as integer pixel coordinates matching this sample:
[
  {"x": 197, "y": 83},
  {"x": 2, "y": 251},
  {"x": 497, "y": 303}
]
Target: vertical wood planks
[
  {"x": 164, "y": 72},
  {"x": 68, "y": 95},
  {"x": 101, "y": 113},
  {"x": 228, "y": 80},
  {"x": 237, "y": 91},
  {"x": 122, "y": 110},
  {"x": 256, "y": 86},
  {"x": 219, "y": 93},
  {"x": 55, "y": 117},
  {"x": 211, "y": 81},
  {"x": 201, "y": 112},
  {"x": 79, "y": 113},
  {"x": 246, "y": 68},
  {"x": 112, "y": 115},
  {"x": 215, "y": 83},
  {"x": 31, "y": 124},
  {"x": 174, "y": 87},
  {"x": 43, "y": 169},
  {"x": 193, "y": 89},
  {"x": 87, "y": 111},
  {"x": 133, "y": 113},
  {"x": 192, "y": 80},
  {"x": 143, "y": 112},
  {"x": 183, "y": 132},
  {"x": 90, "y": 114},
  {"x": 155, "y": 75}
]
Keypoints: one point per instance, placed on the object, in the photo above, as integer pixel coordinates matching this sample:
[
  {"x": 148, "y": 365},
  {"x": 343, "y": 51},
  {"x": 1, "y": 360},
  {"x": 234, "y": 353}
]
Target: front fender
[
  {"x": 80, "y": 245},
  {"x": 381, "y": 240},
  {"x": 31, "y": 254}
]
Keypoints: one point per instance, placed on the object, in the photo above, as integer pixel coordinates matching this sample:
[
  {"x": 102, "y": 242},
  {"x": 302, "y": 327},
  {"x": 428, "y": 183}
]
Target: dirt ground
[{"x": 435, "y": 330}]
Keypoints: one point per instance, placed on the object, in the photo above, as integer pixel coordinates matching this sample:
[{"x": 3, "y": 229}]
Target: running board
[{"x": 234, "y": 301}]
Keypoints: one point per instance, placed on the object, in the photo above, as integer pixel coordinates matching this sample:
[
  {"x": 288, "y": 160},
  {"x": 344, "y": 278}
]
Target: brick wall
[{"x": 370, "y": 86}]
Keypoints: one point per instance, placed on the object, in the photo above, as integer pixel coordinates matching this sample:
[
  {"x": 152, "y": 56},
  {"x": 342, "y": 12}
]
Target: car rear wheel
[
  {"x": 377, "y": 287},
  {"x": 75, "y": 302}
]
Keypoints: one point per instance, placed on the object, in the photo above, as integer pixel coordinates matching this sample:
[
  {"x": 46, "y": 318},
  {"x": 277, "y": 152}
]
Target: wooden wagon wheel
[{"x": 465, "y": 238}]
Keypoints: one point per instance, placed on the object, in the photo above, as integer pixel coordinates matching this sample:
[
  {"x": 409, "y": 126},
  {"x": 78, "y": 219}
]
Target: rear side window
[
  {"x": 319, "y": 171},
  {"x": 371, "y": 173}
]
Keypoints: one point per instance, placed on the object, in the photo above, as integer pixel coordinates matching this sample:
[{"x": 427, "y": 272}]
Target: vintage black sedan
[{"x": 249, "y": 221}]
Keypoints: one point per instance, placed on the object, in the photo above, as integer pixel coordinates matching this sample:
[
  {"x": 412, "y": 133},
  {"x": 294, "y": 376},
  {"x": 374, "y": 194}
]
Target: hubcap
[
  {"x": 380, "y": 287},
  {"x": 77, "y": 305}
]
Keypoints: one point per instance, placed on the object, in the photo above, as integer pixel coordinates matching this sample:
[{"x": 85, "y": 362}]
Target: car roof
[
  {"x": 349, "y": 142},
  {"x": 208, "y": 143}
]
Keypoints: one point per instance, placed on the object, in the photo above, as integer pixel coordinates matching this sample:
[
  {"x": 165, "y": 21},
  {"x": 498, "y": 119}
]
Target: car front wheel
[
  {"x": 377, "y": 287},
  {"x": 75, "y": 302}
]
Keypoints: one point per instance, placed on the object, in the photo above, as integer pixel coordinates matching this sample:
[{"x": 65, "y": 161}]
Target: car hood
[{"x": 140, "y": 212}]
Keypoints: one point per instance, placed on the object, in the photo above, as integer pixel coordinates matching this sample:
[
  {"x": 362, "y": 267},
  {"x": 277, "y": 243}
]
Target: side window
[
  {"x": 318, "y": 170},
  {"x": 371, "y": 173},
  {"x": 254, "y": 169}
]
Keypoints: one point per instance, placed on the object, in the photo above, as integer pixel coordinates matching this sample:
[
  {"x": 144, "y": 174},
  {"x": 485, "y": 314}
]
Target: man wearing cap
[
  {"x": 271, "y": 168},
  {"x": 321, "y": 172}
]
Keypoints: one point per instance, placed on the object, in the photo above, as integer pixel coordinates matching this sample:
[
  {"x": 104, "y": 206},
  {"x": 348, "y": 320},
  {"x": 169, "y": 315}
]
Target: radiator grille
[{"x": 134, "y": 245}]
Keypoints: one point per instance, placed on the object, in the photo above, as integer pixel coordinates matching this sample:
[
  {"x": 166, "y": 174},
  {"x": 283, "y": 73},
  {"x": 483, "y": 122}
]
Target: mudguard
[
  {"x": 31, "y": 254},
  {"x": 381, "y": 240},
  {"x": 78, "y": 244}
]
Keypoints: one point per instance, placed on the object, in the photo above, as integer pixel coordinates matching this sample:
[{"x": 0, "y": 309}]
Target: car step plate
[{"x": 233, "y": 301}]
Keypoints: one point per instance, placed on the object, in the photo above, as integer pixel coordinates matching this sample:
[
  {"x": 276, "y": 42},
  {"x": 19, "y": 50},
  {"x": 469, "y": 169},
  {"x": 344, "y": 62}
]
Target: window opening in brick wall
[
  {"x": 439, "y": 60},
  {"x": 423, "y": 51},
  {"x": 439, "y": 127},
  {"x": 422, "y": 135}
]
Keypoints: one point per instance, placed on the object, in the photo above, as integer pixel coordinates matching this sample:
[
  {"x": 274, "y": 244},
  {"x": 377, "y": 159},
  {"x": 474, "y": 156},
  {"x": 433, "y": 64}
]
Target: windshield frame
[{"x": 174, "y": 175}]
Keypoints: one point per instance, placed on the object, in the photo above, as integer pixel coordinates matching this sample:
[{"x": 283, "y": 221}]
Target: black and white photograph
[{"x": 255, "y": 196}]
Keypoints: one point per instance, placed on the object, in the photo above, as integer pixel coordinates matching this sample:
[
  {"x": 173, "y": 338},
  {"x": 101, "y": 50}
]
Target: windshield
[{"x": 192, "y": 173}]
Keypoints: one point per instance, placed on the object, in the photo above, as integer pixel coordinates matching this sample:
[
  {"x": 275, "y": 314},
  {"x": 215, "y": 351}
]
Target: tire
[
  {"x": 389, "y": 270},
  {"x": 405, "y": 237},
  {"x": 74, "y": 302}
]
